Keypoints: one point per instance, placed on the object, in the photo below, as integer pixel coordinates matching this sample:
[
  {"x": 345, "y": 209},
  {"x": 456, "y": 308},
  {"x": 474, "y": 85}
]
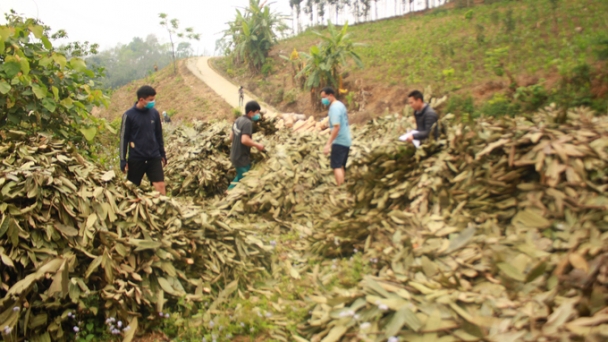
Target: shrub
[
  {"x": 291, "y": 96},
  {"x": 499, "y": 106},
  {"x": 267, "y": 67},
  {"x": 460, "y": 104},
  {"x": 532, "y": 97}
]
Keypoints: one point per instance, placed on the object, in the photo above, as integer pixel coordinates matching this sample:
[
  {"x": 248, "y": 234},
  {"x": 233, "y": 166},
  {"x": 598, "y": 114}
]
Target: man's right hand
[
  {"x": 260, "y": 147},
  {"x": 124, "y": 166}
]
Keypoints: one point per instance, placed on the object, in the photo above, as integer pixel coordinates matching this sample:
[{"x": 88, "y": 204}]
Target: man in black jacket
[
  {"x": 142, "y": 134},
  {"x": 425, "y": 117}
]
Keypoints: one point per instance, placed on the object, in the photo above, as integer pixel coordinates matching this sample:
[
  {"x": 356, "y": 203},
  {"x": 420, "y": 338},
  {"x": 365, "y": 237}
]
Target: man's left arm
[
  {"x": 159, "y": 139},
  {"x": 430, "y": 119}
]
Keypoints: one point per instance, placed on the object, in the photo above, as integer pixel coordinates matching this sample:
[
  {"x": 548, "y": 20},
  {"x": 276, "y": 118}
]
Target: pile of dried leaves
[
  {"x": 285, "y": 181},
  {"x": 496, "y": 232},
  {"x": 74, "y": 239},
  {"x": 199, "y": 160}
]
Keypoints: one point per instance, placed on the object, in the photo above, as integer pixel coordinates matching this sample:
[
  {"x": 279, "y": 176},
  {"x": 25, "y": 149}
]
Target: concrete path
[{"x": 200, "y": 67}]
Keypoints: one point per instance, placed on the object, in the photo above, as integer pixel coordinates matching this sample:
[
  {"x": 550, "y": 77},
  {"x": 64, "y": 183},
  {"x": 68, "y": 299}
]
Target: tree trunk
[{"x": 173, "y": 53}]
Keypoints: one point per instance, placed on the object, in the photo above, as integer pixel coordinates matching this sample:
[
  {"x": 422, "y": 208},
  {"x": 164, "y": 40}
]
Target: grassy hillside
[
  {"x": 448, "y": 49},
  {"x": 183, "y": 96}
]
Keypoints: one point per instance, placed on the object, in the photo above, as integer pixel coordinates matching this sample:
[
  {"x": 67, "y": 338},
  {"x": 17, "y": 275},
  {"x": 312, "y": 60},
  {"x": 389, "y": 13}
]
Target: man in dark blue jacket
[{"x": 142, "y": 134}]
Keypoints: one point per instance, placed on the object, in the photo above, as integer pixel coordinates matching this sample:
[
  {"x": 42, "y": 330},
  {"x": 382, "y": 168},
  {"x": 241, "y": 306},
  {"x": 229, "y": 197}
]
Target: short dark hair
[
  {"x": 145, "y": 91},
  {"x": 328, "y": 91},
  {"x": 416, "y": 94},
  {"x": 252, "y": 106}
]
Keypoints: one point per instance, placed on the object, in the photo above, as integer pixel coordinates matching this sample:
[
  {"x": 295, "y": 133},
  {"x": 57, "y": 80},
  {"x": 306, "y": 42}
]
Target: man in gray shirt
[
  {"x": 240, "y": 135},
  {"x": 425, "y": 117}
]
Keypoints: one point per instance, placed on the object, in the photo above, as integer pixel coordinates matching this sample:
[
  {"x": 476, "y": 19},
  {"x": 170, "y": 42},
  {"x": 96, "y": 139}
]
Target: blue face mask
[
  {"x": 325, "y": 101},
  {"x": 256, "y": 117},
  {"x": 150, "y": 104}
]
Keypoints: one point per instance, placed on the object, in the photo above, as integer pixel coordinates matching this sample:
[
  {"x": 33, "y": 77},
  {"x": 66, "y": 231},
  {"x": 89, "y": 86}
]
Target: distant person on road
[
  {"x": 339, "y": 140},
  {"x": 240, "y": 135},
  {"x": 241, "y": 96},
  {"x": 166, "y": 117},
  {"x": 141, "y": 133},
  {"x": 425, "y": 117}
]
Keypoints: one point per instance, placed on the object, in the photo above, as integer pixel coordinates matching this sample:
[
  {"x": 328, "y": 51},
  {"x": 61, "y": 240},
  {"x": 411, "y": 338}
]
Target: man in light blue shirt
[{"x": 339, "y": 139}]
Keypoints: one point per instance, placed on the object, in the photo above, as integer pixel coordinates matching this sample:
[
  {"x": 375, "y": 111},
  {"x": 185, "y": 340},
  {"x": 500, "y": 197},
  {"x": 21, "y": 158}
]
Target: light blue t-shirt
[{"x": 338, "y": 115}]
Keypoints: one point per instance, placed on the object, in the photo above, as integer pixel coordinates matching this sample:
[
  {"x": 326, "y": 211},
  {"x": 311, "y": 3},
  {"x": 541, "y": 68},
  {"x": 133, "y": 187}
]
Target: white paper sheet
[{"x": 407, "y": 135}]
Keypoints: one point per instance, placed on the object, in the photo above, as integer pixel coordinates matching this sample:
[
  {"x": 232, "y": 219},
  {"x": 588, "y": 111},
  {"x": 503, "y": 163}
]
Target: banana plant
[
  {"x": 252, "y": 34},
  {"x": 327, "y": 60}
]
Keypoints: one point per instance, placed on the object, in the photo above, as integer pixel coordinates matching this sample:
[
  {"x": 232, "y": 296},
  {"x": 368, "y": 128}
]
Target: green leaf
[
  {"x": 4, "y": 87},
  {"x": 49, "y": 104},
  {"x": 37, "y": 30},
  {"x": 78, "y": 64},
  {"x": 46, "y": 42},
  {"x": 39, "y": 91},
  {"x": 25, "y": 66},
  {"x": 55, "y": 93},
  {"x": 67, "y": 103},
  {"x": 11, "y": 69},
  {"x": 89, "y": 132},
  {"x": 60, "y": 59}
]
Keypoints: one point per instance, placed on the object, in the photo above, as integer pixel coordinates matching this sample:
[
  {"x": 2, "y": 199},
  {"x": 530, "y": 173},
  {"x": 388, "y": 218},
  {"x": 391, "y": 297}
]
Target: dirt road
[{"x": 200, "y": 67}]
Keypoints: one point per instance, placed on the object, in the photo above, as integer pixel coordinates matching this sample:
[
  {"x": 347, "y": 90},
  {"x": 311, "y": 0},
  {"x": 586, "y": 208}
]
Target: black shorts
[
  {"x": 339, "y": 156},
  {"x": 153, "y": 168}
]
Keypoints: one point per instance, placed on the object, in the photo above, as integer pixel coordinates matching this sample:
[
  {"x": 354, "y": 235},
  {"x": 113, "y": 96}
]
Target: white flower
[
  {"x": 76, "y": 329},
  {"x": 16, "y": 308},
  {"x": 393, "y": 339},
  {"x": 166, "y": 315},
  {"x": 365, "y": 326},
  {"x": 211, "y": 324},
  {"x": 127, "y": 328},
  {"x": 355, "y": 250},
  {"x": 383, "y": 307},
  {"x": 119, "y": 324},
  {"x": 7, "y": 330},
  {"x": 242, "y": 324}
]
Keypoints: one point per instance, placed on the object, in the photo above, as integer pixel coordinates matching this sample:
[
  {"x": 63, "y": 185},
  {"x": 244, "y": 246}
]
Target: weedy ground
[{"x": 452, "y": 51}]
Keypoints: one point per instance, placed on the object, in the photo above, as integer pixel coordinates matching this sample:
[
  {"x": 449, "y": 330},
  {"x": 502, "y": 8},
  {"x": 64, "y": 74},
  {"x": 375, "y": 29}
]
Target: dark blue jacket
[{"x": 142, "y": 134}]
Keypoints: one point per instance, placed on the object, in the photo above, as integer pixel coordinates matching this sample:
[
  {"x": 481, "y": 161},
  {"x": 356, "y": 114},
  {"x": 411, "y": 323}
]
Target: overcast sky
[{"x": 109, "y": 22}]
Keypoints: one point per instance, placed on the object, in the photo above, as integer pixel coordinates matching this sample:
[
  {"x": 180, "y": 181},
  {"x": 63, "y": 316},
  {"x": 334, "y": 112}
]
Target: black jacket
[
  {"x": 425, "y": 119},
  {"x": 142, "y": 134}
]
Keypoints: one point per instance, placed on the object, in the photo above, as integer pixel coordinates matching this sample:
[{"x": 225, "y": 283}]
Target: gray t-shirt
[{"x": 239, "y": 154}]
